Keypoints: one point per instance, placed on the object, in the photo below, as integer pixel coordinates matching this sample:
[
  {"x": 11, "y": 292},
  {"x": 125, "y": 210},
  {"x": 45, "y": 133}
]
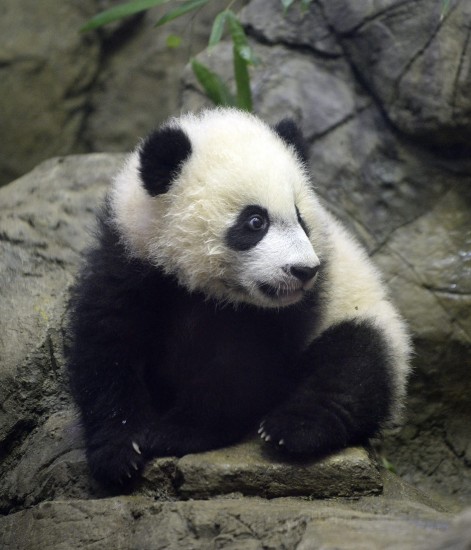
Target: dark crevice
[
  {"x": 368, "y": 19},
  {"x": 419, "y": 53},
  {"x": 458, "y": 71},
  {"x": 109, "y": 44},
  {"x": 259, "y": 37},
  {"x": 449, "y": 152},
  {"x": 16, "y": 436},
  {"x": 342, "y": 122},
  {"x": 361, "y": 81}
]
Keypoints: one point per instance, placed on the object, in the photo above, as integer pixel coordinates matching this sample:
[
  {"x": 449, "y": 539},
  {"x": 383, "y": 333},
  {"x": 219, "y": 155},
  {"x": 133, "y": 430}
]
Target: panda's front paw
[
  {"x": 117, "y": 465},
  {"x": 315, "y": 433}
]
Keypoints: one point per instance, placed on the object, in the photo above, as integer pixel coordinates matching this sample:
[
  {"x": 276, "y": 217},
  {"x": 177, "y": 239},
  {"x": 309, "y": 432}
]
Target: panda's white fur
[
  {"x": 189, "y": 324},
  {"x": 181, "y": 230}
]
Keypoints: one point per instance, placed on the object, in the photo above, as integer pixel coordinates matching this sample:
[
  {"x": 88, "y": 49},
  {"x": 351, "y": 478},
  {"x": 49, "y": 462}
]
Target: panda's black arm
[
  {"x": 112, "y": 324},
  {"x": 344, "y": 398}
]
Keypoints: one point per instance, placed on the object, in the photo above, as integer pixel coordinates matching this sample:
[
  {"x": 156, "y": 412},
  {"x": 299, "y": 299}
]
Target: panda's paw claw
[
  {"x": 136, "y": 447},
  {"x": 294, "y": 432},
  {"x": 117, "y": 465}
]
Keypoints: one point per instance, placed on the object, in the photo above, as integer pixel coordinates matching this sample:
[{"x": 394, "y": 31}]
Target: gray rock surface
[
  {"x": 67, "y": 92},
  {"x": 45, "y": 67},
  {"x": 242, "y": 523},
  {"x": 40, "y": 245},
  {"x": 413, "y": 55}
]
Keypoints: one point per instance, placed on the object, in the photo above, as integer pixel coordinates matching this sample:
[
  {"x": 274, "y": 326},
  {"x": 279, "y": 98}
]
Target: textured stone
[
  {"x": 245, "y": 468},
  {"x": 45, "y": 67},
  {"x": 69, "y": 92},
  {"x": 51, "y": 465},
  {"x": 45, "y": 219},
  {"x": 414, "y": 57},
  {"x": 248, "y": 523},
  {"x": 295, "y": 27}
]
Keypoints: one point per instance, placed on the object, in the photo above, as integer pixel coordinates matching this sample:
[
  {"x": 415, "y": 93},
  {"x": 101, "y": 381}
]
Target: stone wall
[{"x": 65, "y": 92}]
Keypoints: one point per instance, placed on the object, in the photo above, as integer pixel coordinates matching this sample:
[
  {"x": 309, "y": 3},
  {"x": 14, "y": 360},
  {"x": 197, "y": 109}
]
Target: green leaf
[
  {"x": 305, "y": 4},
  {"x": 239, "y": 40},
  {"x": 185, "y": 7},
  {"x": 213, "y": 85},
  {"x": 387, "y": 465},
  {"x": 120, "y": 12},
  {"x": 286, "y": 4},
  {"x": 242, "y": 78},
  {"x": 173, "y": 41},
  {"x": 218, "y": 27},
  {"x": 445, "y": 7}
]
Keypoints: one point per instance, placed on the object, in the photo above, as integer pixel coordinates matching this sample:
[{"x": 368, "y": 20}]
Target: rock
[
  {"x": 253, "y": 523},
  {"x": 414, "y": 59},
  {"x": 45, "y": 218},
  {"x": 458, "y": 537},
  {"x": 246, "y": 469},
  {"x": 294, "y": 27},
  {"x": 138, "y": 85},
  {"x": 51, "y": 465},
  {"x": 69, "y": 92},
  {"x": 46, "y": 68}
]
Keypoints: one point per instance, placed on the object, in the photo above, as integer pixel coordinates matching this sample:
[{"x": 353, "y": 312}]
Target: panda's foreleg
[
  {"x": 345, "y": 396},
  {"x": 108, "y": 361},
  {"x": 115, "y": 407}
]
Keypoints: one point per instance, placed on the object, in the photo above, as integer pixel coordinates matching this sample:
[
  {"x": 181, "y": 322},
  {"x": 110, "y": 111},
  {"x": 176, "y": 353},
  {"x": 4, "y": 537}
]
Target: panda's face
[
  {"x": 274, "y": 263},
  {"x": 223, "y": 204}
]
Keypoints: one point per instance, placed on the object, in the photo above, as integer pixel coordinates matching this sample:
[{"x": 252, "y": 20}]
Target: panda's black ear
[
  {"x": 290, "y": 133},
  {"x": 161, "y": 157}
]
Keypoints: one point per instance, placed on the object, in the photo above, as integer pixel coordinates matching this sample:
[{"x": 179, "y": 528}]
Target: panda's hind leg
[{"x": 344, "y": 398}]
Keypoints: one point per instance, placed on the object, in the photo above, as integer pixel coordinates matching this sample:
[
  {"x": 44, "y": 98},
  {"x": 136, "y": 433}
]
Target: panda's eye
[
  {"x": 256, "y": 223},
  {"x": 249, "y": 228}
]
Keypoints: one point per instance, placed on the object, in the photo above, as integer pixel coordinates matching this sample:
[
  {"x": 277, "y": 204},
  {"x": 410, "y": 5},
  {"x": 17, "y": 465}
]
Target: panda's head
[{"x": 223, "y": 202}]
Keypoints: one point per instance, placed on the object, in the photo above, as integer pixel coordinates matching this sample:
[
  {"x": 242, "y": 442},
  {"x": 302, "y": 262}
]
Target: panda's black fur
[{"x": 159, "y": 369}]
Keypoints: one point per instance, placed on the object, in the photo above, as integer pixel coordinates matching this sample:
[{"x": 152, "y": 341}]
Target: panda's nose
[{"x": 303, "y": 272}]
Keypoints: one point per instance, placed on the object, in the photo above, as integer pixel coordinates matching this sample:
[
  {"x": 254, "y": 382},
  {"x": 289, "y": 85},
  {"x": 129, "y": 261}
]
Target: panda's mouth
[{"x": 283, "y": 294}]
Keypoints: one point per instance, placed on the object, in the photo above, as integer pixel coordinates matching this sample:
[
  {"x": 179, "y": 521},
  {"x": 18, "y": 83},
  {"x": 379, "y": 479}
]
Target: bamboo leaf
[
  {"x": 173, "y": 41},
  {"x": 183, "y": 8},
  {"x": 445, "y": 7},
  {"x": 286, "y": 4},
  {"x": 120, "y": 12},
  {"x": 213, "y": 85},
  {"x": 242, "y": 78},
  {"x": 239, "y": 40},
  {"x": 218, "y": 27}
]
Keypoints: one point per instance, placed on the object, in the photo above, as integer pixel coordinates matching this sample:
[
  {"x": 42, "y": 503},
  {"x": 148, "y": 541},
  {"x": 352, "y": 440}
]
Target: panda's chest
[{"x": 205, "y": 337}]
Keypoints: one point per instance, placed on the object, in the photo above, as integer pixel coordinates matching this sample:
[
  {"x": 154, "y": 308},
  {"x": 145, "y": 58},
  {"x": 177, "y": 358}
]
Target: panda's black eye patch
[{"x": 250, "y": 227}]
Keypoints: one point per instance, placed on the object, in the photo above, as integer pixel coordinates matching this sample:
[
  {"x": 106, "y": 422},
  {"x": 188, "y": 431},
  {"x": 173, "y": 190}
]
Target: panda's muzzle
[
  {"x": 303, "y": 273},
  {"x": 282, "y": 294},
  {"x": 300, "y": 279}
]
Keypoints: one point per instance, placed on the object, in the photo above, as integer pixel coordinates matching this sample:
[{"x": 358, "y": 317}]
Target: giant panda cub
[{"x": 222, "y": 297}]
